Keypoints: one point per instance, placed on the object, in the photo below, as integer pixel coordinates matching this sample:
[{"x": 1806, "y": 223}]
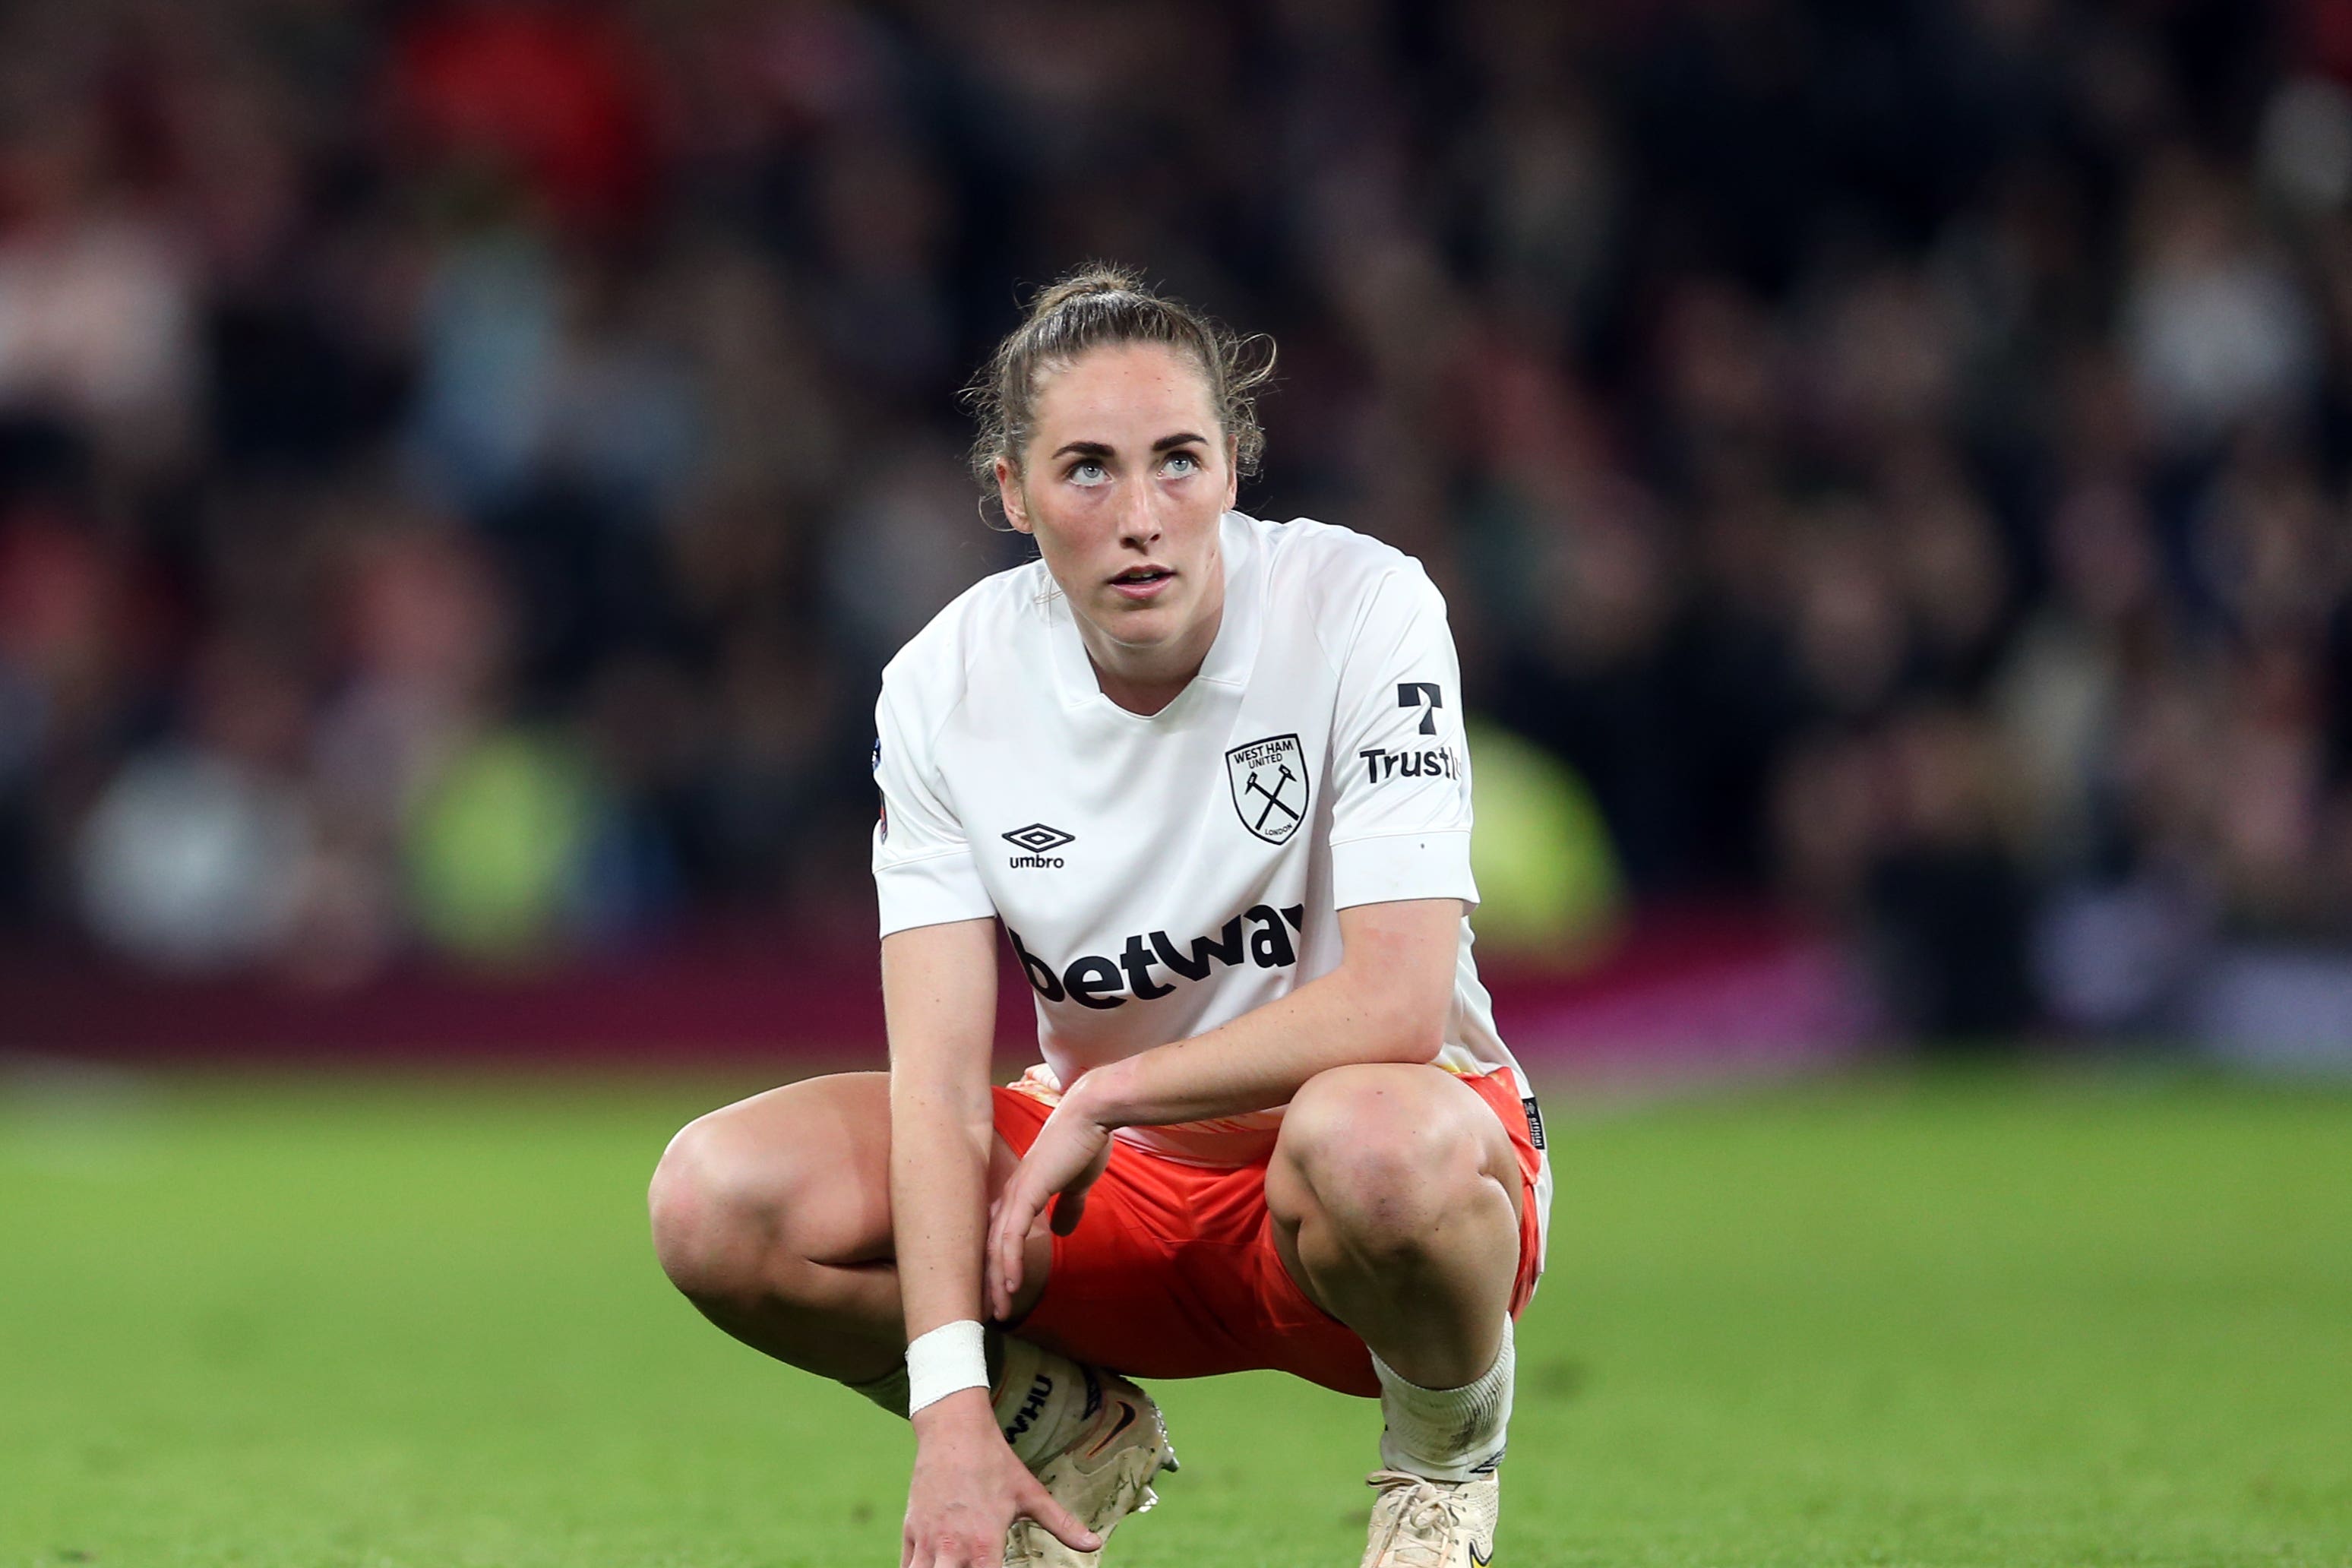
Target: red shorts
[{"x": 1172, "y": 1271}]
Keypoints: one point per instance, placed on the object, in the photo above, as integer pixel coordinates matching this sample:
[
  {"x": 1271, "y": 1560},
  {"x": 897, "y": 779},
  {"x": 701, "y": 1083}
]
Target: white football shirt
[{"x": 1159, "y": 876}]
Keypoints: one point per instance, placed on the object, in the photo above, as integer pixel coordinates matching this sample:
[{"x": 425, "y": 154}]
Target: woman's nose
[{"x": 1140, "y": 521}]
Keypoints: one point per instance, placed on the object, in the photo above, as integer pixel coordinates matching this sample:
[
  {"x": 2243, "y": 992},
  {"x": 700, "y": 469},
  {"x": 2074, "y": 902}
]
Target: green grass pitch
[{"x": 2017, "y": 1319}]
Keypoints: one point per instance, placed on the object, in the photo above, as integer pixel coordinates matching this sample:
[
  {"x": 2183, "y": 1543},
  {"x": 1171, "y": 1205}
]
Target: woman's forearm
[
  {"x": 938, "y": 1173},
  {"x": 939, "y": 994},
  {"x": 1387, "y": 1001}
]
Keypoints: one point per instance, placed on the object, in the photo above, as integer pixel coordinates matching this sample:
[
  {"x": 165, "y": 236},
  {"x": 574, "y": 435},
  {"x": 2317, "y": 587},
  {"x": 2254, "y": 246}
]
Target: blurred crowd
[{"x": 462, "y": 466}]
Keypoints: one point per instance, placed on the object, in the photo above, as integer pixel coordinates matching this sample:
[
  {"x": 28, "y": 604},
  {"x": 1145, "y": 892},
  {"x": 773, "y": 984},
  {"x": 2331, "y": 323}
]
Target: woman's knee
[
  {"x": 743, "y": 1191},
  {"x": 711, "y": 1204},
  {"x": 1387, "y": 1154}
]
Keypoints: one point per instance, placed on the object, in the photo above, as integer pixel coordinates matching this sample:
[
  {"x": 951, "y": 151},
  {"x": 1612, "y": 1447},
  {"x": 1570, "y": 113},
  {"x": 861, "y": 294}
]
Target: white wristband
[{"x": 947, "y": 1359}]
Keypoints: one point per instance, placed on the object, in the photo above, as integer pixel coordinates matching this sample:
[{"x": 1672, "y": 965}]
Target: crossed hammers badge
[{"x": 1268, "y": 779}]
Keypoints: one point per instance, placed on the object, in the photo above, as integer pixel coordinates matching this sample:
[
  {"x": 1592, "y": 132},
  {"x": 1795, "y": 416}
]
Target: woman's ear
[
  {"x": 1232, "y": 470},
  {"x": 1008, "y": 496}
]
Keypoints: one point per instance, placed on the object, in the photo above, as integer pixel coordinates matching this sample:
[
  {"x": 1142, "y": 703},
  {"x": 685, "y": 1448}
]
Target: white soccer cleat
[
  {"x": 1422, "y": 1523},
  {"x": 1102, "y": 1476}
]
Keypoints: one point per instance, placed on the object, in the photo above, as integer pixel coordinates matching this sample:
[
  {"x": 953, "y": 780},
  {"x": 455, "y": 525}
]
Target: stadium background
[{"x": 463, "y": 465}]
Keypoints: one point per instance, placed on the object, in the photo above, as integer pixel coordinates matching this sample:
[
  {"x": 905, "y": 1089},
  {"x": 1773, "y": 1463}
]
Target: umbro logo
[{"x": 1037, "y": 838}]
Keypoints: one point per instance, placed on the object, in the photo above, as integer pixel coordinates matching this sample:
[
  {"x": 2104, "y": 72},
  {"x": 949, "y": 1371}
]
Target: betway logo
[{"x": 1096, "y": 981}]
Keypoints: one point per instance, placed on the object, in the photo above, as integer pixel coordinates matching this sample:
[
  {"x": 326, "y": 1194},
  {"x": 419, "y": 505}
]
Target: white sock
[
  {"x": 1447, "y": 1433},
  {"x": 1043, "y": 1400}
]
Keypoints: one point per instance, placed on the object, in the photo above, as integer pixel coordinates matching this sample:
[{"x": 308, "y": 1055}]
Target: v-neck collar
[{"x": 1231, "y": 653}]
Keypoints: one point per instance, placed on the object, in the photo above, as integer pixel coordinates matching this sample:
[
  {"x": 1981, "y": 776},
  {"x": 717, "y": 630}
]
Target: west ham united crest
[{"x": 1269, "y": 783}]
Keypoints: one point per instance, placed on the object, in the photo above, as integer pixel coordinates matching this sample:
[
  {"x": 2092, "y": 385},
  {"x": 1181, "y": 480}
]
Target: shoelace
[{"x": 1427, "y": 1515}]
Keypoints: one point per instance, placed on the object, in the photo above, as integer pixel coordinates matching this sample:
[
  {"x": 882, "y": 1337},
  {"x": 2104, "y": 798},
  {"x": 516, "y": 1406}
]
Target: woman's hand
[
  {"x": 968, "y": 1489},
  {"x": 1070, "y": 1152}
]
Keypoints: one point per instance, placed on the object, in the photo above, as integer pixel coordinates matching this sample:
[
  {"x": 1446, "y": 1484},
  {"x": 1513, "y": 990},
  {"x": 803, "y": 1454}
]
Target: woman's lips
[{"x": 1142, "y": 590}]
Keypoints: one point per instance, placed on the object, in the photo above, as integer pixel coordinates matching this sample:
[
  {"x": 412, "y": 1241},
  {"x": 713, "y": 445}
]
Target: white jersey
[{"x": 1160, "y": 876}]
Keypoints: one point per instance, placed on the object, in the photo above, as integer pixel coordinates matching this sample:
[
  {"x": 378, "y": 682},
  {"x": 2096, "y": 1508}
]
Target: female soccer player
[{"x": 1208, "y": 773}]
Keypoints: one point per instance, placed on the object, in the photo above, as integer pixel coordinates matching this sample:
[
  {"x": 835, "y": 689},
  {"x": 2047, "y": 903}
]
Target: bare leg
[
  {"x": 774, "y": 1217},
  {"x": 1395, "y": 1197}
]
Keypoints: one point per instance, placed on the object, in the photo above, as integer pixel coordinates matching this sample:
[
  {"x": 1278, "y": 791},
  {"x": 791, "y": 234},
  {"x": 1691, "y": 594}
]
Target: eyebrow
[{"x": 1101, "y": 450}]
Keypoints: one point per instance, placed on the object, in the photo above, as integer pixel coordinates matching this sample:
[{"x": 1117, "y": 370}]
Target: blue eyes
[{"x": 1089, "y": 471}]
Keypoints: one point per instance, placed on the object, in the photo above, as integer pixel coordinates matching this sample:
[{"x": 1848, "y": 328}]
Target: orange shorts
[{"x": 1172, "y": 1271}]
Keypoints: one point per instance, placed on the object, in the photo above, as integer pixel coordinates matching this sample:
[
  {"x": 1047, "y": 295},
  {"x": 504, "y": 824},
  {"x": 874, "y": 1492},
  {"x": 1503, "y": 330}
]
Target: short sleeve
[
  {"x": 924, "y": 873},
  {"x": 1400, "y": 789}
]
